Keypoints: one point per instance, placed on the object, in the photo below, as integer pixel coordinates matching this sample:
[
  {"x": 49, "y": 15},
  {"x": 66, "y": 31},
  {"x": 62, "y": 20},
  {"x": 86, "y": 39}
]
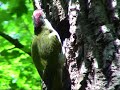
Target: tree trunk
[{"x": 90, "y": 32}]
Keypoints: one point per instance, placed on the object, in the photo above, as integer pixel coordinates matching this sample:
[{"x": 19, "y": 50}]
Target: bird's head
[{"x": 38, "y": 17}]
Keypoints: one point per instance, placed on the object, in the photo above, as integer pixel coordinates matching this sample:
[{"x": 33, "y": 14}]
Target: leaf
[
  {"x": 18, "y": 8},
  {"x": 4, "y": 16}
]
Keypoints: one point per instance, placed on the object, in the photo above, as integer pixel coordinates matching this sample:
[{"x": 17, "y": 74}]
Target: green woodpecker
[{"x": 46, "y": 51}]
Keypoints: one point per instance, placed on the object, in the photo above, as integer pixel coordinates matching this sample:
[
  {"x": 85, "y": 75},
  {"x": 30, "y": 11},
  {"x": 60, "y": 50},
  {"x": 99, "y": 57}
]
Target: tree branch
[{"x": 14, "y": 42}]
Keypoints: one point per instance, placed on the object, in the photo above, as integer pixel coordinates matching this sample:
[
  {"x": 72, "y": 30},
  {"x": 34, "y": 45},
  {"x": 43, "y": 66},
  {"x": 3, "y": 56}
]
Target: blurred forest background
[{"x": 17, "y": 71}]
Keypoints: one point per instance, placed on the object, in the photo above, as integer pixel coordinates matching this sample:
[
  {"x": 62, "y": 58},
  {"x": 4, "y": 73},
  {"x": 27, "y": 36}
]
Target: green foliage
[{"x": 17, "y": 71}]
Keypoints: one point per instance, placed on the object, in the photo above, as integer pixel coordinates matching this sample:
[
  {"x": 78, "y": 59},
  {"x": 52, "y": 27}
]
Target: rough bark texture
[{"x": 90, "y": 32}]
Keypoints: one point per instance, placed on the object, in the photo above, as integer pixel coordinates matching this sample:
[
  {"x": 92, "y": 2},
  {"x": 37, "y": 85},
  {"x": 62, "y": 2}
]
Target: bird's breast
[{"x": 49, "y": 45}]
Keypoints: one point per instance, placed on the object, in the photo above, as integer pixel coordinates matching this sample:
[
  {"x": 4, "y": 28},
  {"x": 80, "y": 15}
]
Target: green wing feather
[
  {"x": 46, "y": 49},
  {"x": 39, "y": 63}
]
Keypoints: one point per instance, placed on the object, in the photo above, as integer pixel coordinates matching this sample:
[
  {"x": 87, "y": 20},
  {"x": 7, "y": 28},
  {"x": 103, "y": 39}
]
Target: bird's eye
[{"x": 50, "y": 31}]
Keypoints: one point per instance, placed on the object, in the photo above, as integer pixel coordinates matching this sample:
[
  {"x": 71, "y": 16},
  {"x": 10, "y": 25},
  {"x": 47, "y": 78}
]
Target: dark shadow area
[{"x": 63, "y": 29}]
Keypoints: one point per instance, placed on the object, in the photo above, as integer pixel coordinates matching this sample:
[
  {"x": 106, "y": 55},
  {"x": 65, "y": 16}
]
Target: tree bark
[{"x": 90, "y": 32}]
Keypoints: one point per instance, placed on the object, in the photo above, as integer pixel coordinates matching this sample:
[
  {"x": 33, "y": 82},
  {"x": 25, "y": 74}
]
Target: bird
[{"x": 46, "y": 51}]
